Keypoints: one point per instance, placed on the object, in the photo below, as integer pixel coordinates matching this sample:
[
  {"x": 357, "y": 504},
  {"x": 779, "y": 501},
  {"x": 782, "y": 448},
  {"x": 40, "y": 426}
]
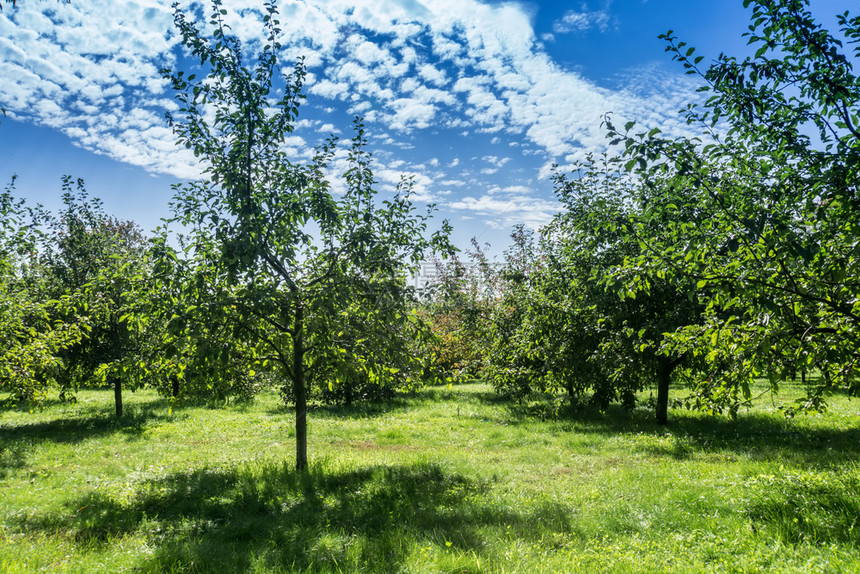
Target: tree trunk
[
  {"x": 348, "y": 383},
  {"x": 664, "y": 371},
  {"x": 300, "y": 391},
  {"x": 665, "y": 366},
  {"x": 175, "y": 389},
  {"x": 117, "y": 396},
  {"x": 568, "y": 385}
]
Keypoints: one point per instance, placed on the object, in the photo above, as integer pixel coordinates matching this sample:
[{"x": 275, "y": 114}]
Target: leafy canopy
[{"x": 769, "y": 197}]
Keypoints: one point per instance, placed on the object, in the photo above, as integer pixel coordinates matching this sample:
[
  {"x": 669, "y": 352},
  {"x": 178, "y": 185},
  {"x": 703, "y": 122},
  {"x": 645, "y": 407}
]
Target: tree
[
  {"x": 456, "y": 303},
  {"x": 99, "y": 260},
  {"x": 571, "y": 321},
  {"x": 628, "y": 312},
  {"x": 771, "y": 204},
  {"x": 544, "y": 332},
  {"x": 288, "y": 261},
  {"x": 519, "y": 361},
  {"x": 32, "y": 339}
]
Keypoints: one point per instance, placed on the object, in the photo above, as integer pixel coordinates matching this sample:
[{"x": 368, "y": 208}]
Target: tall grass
[{"x": 445, "y": 481}]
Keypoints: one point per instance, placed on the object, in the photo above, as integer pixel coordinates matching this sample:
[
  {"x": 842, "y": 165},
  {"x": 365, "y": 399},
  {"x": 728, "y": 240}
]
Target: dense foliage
[
  {"x": 762, "y": 212},
  {"x": 567, "y": 324},
  {"x": 32, "y": 340},
  {"x": 456, "y": 302},
  {"x": 102, "y": 261},
  {"x": 715, "y": 260}
]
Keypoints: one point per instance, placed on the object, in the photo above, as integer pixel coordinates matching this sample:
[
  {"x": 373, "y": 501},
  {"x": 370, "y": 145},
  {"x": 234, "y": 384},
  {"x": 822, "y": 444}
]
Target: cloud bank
[{"x": 90, "y": 70}]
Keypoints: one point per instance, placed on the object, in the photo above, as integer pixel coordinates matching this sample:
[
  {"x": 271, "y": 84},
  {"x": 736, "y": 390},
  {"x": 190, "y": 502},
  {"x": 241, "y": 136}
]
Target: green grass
[{"x": 446, "y": 481}]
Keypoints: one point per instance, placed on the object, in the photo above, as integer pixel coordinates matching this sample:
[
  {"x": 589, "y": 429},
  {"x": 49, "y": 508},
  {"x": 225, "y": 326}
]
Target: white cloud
[
  {"x": 90, "y": 69},
  {"x": 432, "y": 75},
  {"x": 495, "y": 160},
  {"x": 354, "y": 73},
  {"x": 520, "y": 190},
  {"x": 329, "y": 89},
  {"x": 421, "y": 183},
  {"x": 500, "y": 213},
  {"x": 367, "y": 52},
  {"x": 323, "y": 128},
  {"x": 409, "y": 113},
  {"x": 582, "y": 20}
]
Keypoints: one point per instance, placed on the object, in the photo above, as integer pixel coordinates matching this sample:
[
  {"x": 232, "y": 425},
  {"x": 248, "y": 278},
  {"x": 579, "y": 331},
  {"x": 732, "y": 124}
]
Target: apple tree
[{"x": 316, "y": 278}]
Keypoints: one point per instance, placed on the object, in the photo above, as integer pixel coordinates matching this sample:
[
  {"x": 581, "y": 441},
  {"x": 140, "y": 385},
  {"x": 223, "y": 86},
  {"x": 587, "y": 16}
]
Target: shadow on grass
[
  {"x": 362, "y": 409},
  {"x": 18, "y": 440},
  {"x": 12, "y": 457},
  {"x": 763, "y": 436},
  {"x": 402, "y": 401},
  {"x": 271, "y": 517},
  {"x": 88, "y": 425},
  {"x": 358, "y": 410}
]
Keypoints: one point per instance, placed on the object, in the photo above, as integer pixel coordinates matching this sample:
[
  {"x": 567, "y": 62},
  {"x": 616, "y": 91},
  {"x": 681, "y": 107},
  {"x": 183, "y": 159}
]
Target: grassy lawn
[{"x": 447, "y": 481}]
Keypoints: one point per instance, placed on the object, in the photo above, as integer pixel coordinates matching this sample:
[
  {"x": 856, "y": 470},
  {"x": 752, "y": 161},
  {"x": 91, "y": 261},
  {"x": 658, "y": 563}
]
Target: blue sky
[{"x": 474, "y": 99}]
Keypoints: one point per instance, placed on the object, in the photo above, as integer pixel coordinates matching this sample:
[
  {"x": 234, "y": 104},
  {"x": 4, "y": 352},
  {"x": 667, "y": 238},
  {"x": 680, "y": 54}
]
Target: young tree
[{"x": 289, "y": 262}]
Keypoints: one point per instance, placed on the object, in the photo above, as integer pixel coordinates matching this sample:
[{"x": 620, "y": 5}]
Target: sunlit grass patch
[{"x": 449, "y": 480}]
